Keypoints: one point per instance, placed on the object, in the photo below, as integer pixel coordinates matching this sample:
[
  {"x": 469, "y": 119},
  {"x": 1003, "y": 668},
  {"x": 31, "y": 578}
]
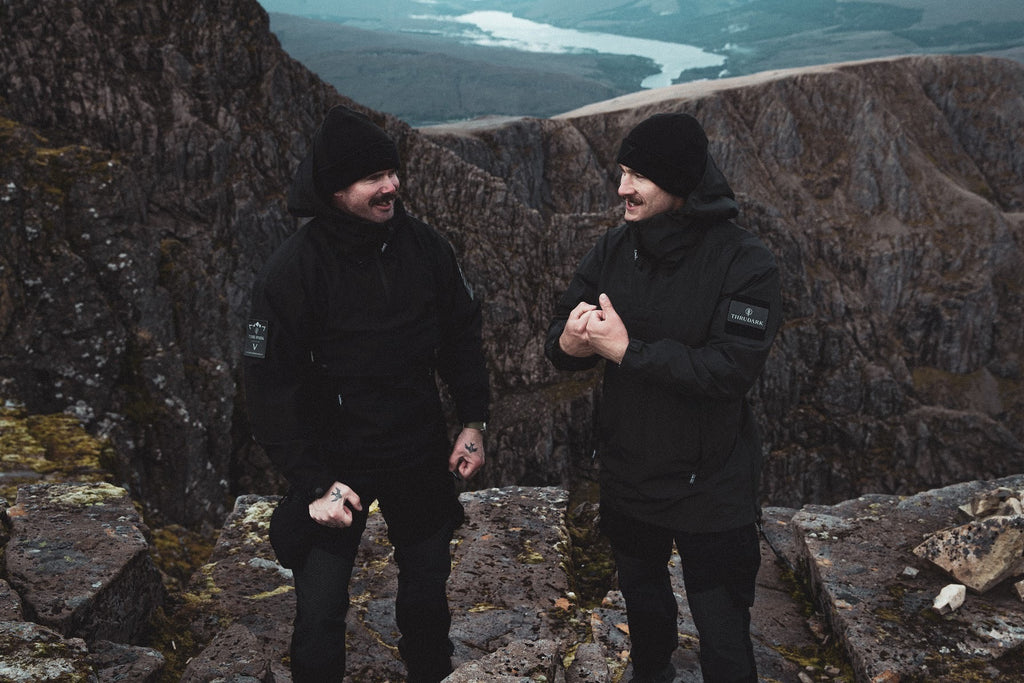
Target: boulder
[
  {"x": 78, "y": 558},
  {"x": 950, "y": 598},
  {"x": 981, "y": 553},
  {"x": 536, "y": 660},
  {"x": 33, "y": 653},
  {"x": 234, "y": 654}
]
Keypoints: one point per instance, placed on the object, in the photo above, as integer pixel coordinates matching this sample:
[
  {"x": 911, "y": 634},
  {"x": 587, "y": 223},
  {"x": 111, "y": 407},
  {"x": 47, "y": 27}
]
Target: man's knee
[{"x": 427, "y": 563}]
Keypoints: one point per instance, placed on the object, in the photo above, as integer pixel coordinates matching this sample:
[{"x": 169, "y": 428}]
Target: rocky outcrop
[
  {"x": 841, "y": 595},
  {"x": 81, "y": 586},
  {"x": 515, "y": 613},
  {"x": 856, "y": 555},
  {"x": 506, "y": 585},
  {"x": 95, "y": 581},
  {"x": 145, "y": 157},
  {"x": 898, "y": 232}
]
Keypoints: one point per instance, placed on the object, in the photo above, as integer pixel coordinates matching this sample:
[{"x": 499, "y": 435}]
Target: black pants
[
  {"x": 421, "y": 509},
  {"x": 719, "y": 573}
]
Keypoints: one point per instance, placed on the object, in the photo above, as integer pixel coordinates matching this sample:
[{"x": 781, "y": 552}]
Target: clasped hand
[{"x": 591, "y": 330}]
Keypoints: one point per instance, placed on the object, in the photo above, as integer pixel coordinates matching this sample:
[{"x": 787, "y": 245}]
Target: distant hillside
[
  {"x": 424, "y": 79},
  {"x": 399, "y": 56}
]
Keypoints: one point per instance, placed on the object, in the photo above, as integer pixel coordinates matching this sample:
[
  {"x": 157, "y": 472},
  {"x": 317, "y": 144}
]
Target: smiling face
[
  {"x": 371, "y": 198},
  {"x": 643, "y": 198}
]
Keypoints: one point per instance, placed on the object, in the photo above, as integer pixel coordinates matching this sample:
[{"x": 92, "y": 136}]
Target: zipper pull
[{"x": 693, "y": 478}]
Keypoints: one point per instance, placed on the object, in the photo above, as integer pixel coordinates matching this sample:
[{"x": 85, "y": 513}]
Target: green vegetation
[{"x": 54, "y": 447}]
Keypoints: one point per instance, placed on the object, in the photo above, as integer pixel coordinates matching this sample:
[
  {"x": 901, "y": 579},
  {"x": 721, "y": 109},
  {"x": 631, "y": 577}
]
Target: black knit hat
[
  {"x": 349, "y": 146},
  {"x": 670, "y": 149}
]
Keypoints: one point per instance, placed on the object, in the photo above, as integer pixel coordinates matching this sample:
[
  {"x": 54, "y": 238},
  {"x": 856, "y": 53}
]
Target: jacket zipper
[{"x": 383, "y": 273}]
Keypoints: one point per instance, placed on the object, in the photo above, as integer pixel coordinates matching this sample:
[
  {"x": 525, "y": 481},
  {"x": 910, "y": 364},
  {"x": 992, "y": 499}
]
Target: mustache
[
  {"x": 633, "y": 199},
  {"x": 385, "y": 198}
]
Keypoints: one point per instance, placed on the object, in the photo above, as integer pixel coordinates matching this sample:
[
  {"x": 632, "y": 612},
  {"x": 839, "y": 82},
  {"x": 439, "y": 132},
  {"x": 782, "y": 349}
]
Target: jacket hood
[
  {"x": 665, "y": 237},
  {"x": 303, "y": 199},
  {"x": 351, "y": 233},
  {"x": 346, "y": 146},
  {"x": 712, "y": 199}
]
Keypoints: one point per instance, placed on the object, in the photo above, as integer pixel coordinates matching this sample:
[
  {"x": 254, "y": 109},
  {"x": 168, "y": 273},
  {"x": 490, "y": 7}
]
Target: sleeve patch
[
  {"x": 747, "y": 318},
  {"x": 256, "y": 339}
]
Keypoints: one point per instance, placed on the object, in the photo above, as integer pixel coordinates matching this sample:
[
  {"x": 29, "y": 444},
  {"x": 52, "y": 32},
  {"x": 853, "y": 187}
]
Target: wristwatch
[{"x": 480, "y": 426}]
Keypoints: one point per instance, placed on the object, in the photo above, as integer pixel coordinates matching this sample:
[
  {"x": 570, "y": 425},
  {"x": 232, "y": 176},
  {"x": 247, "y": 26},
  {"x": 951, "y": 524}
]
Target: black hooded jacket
[
  {"x": 350, "y": 321},
  {"x": 700, "y": 298}
]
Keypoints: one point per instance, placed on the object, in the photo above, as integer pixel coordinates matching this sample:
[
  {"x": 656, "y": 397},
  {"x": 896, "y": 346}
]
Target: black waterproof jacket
[
  {"x": 350, "y": 321},
  {"x": 700, "y": 298}
]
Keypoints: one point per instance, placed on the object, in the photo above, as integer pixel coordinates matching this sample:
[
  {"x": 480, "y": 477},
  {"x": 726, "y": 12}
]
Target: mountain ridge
[
  {"x": 140, "y": 201},
  {"x": 411, "y": 45}
]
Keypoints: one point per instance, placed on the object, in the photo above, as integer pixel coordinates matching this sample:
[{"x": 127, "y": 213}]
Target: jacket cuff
[
  {"x": 311, "y": 485},
  {"x": 635, "y": 348}
]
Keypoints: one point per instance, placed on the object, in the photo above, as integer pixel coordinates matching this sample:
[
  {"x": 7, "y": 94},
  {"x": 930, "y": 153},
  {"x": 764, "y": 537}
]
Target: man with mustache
[
  {"x": 352, "y": 317},
  {"x": 682, "y": 305}
]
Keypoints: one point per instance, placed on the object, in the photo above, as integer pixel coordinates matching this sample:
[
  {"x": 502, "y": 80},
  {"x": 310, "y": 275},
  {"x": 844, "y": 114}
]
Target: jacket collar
[{"x": 666, "y": 237}]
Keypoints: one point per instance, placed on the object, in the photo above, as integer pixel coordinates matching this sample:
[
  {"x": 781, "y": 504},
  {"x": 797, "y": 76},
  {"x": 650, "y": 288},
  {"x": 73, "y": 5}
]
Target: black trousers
[
  {"x": 719, "y": 573},
  {"x": 422, "y": 511}
]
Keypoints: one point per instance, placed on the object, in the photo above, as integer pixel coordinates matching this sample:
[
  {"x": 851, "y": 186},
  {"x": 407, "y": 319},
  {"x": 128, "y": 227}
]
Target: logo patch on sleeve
[
  {"x": 256, "y": 339},
  {"x": 747, "y": 318}
]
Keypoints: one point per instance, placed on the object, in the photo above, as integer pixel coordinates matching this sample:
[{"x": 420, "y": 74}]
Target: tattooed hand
[
  {"x": 468, "y": 455},
  {"x": 335, "y": 507}
]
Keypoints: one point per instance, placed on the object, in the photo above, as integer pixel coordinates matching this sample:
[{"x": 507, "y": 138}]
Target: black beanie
[
  {"x": 349, "y": 146},
  {"x": 670, "y": 149}
]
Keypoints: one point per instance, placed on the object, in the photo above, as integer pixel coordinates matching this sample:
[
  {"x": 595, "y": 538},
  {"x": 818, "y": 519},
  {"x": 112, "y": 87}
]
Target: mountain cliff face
[{"x": 144, "y": 156}]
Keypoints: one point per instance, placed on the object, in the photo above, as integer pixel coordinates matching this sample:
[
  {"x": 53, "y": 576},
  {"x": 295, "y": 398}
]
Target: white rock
[{"x": 949, "y": 598}]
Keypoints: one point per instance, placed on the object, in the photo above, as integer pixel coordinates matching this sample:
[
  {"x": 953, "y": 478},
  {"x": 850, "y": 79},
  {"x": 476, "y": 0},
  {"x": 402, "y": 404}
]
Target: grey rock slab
[
  {"x": 505, "y": 579},
  {"x": 856, "y": 553},
  {"x": 777, "y": 622},
  {"x": 79, "y": 559},
  {"x": 519, "y": 661}
]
